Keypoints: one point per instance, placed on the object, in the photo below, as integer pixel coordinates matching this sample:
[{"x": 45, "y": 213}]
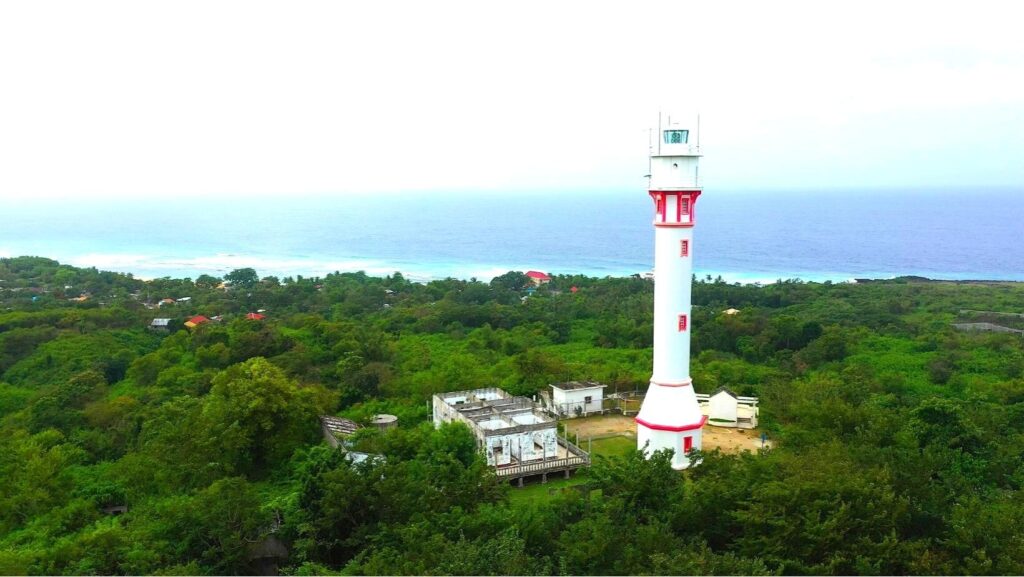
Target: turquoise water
[{"x": 743, "y": 236}]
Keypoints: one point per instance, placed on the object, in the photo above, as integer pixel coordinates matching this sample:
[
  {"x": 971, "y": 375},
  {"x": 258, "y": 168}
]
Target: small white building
[
  {"x": 725, "y": 409},
  {"x": 516, "y": 436},
  {"x": 160, "y": 324},
  {"x": 577, "y": 399}
]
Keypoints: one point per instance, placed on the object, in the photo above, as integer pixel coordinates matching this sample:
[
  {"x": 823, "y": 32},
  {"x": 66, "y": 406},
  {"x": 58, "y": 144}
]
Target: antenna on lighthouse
[
  {"x": 659, "y": 132},
  {"x": 650, "y": 152}
]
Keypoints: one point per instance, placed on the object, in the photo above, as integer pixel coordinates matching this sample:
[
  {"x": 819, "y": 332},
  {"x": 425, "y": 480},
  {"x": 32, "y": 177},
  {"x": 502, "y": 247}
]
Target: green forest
[{"x": 128, "y": 449}]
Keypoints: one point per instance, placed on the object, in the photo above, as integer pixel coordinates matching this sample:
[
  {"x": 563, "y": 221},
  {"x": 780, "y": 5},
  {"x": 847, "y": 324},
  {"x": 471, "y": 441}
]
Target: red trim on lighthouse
[
  {"x": 685, "y": 383},
  {"x": 655, "y": 427},
  {"x": 685, "y": 201}
]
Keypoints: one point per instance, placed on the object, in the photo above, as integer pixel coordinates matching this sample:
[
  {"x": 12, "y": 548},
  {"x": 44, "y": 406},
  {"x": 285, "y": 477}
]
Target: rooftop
[
  {"x": 576, "y": 385},
  {"x": 339, "y": 425}
]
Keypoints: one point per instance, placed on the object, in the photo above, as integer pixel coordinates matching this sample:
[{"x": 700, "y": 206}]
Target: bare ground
[{"x": 727, "y": 439}]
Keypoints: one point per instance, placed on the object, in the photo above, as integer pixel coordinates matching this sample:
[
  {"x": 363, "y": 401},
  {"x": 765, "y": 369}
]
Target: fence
[{"x": 579, "y": 458}]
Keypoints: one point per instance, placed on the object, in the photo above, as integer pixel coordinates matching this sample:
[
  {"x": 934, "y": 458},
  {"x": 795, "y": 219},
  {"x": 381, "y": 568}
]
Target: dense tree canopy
[{"x": 128, "y": 449}]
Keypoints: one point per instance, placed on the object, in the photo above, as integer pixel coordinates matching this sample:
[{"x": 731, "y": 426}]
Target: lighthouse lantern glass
[{"x": 676, "y": 136}]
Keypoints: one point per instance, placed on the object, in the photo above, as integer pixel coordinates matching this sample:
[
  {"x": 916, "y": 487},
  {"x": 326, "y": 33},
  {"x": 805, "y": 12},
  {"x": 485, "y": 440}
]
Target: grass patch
[
  {"x": 533, "y": 490},
  {"x": 611, "y": 446}
]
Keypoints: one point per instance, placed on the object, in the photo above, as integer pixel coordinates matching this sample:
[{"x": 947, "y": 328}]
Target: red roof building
[
  {"x": 255, "y": 316},
  {"x": 538, "y": 278},
  {"x": 196, "y": 321}
]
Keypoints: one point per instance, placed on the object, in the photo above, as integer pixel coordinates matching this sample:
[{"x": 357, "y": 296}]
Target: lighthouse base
[{"x": 670, "y": 418}]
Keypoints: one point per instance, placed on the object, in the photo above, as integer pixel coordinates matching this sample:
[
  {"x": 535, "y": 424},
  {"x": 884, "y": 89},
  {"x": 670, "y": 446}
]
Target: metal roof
[{"x": 339, "y": 425}]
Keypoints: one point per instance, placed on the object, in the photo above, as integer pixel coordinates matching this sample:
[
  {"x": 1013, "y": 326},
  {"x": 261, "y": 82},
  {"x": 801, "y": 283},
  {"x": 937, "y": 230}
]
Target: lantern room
[{"x": 675, "y": 155}]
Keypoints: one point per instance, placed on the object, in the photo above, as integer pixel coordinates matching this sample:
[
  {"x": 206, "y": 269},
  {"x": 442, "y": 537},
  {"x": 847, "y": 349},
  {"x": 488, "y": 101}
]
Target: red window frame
[
  {"x": 684, "y": 206},
  {"x": 687, "y": 444},
  {"x": 684, "y": 248},
  {"x": 682, "y": 323}
]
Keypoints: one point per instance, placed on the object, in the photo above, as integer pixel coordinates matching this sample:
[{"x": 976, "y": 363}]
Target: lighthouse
[{"x": 670, "y": 417}]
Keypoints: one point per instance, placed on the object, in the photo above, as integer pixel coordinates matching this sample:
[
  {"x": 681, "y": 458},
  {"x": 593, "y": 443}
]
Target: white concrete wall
[
  {"x": 441, "y": 412},
  {"x": 527, "y": 446},
  {"x": 655, "y": 440},
  {"x": 565, "y": 402},
  {"x": 674, "y": 172},
  {"x": 672, "y": 287}
]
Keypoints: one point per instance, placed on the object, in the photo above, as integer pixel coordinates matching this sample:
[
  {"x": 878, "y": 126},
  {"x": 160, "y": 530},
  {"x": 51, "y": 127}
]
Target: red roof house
[
  {"x": 255, "y": 316},
  {"x": 196, "y": 321},
  {"x": 538, "y": 278}
]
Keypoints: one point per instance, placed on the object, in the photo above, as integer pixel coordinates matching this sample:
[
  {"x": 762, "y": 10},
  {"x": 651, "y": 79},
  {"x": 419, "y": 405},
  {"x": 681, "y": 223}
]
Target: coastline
[{"x": 148, "y": 268}]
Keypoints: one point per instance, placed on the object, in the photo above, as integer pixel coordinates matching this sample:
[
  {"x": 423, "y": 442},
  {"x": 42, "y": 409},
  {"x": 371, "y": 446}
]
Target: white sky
[{"x": 139, "y": 99}]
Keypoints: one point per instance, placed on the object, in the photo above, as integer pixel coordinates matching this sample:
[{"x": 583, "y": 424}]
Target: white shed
[
  {"x": 574, "y": 399},
  {"x": 722, "y": 408},
  {"x": 725, "y": 409}
]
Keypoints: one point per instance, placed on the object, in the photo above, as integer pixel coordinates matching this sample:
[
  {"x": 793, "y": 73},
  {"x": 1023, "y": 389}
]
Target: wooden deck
[{"x": 574, "y": 458}]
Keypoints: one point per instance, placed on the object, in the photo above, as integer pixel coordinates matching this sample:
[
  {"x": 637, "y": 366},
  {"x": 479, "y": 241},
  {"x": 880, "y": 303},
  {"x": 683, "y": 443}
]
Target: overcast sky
[{"x": 145, "y": 99}]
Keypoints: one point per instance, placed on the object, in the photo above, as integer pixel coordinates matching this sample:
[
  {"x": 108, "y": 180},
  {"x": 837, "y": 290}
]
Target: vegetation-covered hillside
[{"x": 126, "y": 449}]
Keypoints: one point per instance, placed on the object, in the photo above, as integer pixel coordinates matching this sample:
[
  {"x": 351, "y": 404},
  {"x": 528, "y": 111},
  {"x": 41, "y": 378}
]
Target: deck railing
[{"x": 578, "y": 458}]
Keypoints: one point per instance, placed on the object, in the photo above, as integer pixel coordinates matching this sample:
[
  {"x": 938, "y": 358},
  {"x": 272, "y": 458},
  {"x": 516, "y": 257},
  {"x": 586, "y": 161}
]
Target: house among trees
[
  {"x": 255, "y": 316},
  {"x": 196, "y": 321},
  {"x": 160, "y": 324},
  {"x": 517, "y": 437},
  {"x": 538, "y": 278},
  {"x": 577, "y": 399},
  {"x": 725, "y": 409}
]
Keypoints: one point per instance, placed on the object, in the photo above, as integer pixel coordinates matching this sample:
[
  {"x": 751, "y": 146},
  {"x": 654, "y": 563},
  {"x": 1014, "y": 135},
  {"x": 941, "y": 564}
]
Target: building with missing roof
[{"x": 517, "y": 437}]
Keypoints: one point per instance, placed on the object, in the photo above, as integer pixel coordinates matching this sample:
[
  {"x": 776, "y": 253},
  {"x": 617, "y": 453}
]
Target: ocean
[{"x": 743, "y": 236}]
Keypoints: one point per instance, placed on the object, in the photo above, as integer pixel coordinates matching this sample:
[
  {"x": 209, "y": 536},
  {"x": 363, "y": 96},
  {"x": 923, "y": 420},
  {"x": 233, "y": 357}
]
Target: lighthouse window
[
  {"x": 682, "y": 323},
  {"x": 676, "y": 136},
  {"x": 684, "y": 248}
]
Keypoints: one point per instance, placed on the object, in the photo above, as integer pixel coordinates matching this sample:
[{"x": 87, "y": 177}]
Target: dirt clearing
[{"x": 727, "y": 439}]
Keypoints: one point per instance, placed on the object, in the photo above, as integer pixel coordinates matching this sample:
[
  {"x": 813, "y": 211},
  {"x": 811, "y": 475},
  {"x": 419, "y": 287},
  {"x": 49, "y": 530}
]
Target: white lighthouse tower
[{"x": 670, "y": 417}]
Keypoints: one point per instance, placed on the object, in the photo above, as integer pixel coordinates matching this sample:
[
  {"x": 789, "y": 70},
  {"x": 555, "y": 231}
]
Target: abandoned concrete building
[{"x": 516, "y": 436}]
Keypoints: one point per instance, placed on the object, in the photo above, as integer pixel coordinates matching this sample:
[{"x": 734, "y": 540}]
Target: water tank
[{"x": 384, "y": 422}]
